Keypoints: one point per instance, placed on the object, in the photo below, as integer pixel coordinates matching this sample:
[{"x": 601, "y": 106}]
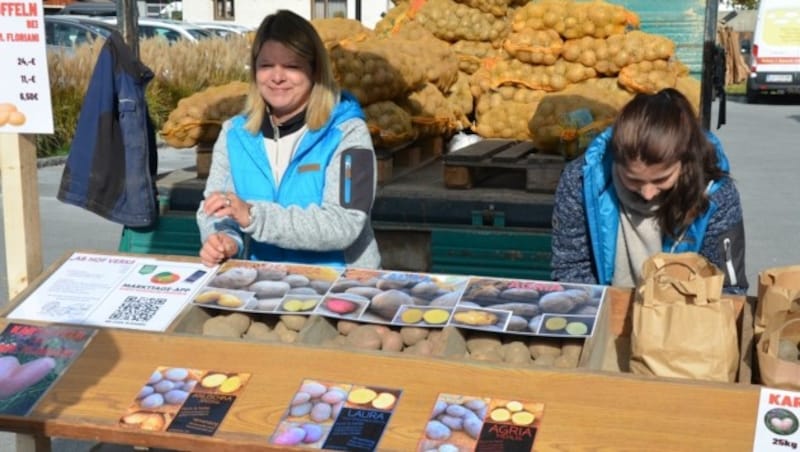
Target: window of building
[
  {"x": 329, "y": 8},
  {"x": 223, "y": 10}
]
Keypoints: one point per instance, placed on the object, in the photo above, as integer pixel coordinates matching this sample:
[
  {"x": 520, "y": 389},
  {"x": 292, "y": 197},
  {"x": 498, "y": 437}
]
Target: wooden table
[{"x": 583, "y": 410}]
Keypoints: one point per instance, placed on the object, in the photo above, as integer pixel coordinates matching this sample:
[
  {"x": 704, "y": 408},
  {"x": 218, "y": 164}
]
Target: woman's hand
[
  {"x": 227, "y": 204},
  {"x": 217, "y": 248}
]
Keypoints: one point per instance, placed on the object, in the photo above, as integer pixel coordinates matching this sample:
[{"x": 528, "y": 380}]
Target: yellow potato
[
  {"x": 411, "y": 316},
  {"x": 3, "y": 117},
  {"x": 16, "y": 118},
  {"x": 555, "y": 323},
  {"x": 230, "y": 301},
  {"x": 514, "y": 406},
  {"x": 522, "y": 418},
  {"x": 231, "y": 384},
  {"x": 361, "y": 395},
  {"x": 6, "y": 107},
  {"x": 500, "y": 415},
  {"x": 207, "y": 297},
  {"x": 435, "y": 316},
  {"x": 213, "y": 380},
  {"x": 384, "y": 401}
]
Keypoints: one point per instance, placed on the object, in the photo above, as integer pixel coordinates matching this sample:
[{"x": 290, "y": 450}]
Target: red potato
[{"x": 15, "y": 378}]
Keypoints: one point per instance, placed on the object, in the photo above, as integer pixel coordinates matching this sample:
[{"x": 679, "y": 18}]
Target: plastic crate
[{"x": 174, "y": 233}]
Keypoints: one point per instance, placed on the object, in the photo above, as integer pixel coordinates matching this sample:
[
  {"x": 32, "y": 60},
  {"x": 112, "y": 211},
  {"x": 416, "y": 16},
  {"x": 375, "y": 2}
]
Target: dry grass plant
[{"x": 180, "y": 69}]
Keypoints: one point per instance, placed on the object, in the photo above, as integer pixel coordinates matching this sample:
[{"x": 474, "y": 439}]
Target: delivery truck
[{"x": 775, "y": 50}]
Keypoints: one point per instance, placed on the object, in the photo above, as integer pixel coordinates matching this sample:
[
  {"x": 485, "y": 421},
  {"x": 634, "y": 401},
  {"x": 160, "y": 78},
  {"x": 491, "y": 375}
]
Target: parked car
[
  {"x": 97, "y": 8},
  {"x": 171, "y": 30},
  {"x": 68, "y": 32},
  {"x": 223, "y": 29}
]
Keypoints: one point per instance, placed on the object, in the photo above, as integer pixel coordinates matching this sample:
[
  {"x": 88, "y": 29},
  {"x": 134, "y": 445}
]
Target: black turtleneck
[{"x": 294, "y": 124}]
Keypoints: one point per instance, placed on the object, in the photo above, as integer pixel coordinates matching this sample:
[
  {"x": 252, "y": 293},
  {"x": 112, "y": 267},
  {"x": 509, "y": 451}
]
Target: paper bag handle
[
  {"x": 695, "y": 288},
  {"x": 775, "y": 328}
]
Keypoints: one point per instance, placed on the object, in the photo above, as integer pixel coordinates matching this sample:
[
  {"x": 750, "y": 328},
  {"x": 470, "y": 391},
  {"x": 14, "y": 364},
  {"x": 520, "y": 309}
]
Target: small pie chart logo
[{"x": 164, "y": 278}]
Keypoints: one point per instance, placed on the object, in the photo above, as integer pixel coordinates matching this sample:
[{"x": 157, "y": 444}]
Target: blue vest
[
  {"x": 602, "y": 207},
  {"x": 303, "y": 181}
]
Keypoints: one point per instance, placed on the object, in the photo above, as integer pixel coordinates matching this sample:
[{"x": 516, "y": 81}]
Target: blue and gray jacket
[
  {"x": 586, "y": 222},
  {"x": 319, "y": 214}
]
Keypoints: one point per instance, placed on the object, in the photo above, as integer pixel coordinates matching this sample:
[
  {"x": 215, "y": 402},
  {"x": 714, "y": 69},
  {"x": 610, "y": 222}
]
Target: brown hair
[
  {"x": 662, "y": 128},
  {"x": 297, "y": 34}
]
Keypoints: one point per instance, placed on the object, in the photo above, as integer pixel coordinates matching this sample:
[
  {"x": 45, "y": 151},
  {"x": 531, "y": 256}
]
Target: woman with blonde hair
[{"x": 293, "y": 178}]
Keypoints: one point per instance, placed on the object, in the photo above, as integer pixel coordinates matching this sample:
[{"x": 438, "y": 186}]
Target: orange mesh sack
[
  {"x": 198, "y": 118},
  {"x": 389, "y": 125}
]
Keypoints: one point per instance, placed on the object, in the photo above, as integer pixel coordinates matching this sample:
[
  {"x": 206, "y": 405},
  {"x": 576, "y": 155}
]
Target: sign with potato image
[
  {"x": 32, "y": 358},
  {"x": 184, "y": 400},
  {"x": 339, "y": 416},
  {"x": 25, "y": 104},
  {"x": 427, "y": 300},
  {"x": 461, "y": 423}
]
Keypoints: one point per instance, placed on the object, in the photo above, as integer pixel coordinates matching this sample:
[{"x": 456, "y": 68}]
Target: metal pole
[
  {"x": 707, "y": 82},
  {"x": 128, "y": 23}
]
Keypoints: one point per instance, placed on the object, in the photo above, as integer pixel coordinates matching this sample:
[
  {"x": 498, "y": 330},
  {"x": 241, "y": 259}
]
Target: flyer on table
[
  {"x": 114, "y": 291},
  {"x": 336, "y": 416},
  {"x": 184, "y": 400},
  {"x": 777, "y": 421},
  {"x": 25, "y": 105},
  {"x": 461, "y": 423},
  {"x": 32, "y": 358}
]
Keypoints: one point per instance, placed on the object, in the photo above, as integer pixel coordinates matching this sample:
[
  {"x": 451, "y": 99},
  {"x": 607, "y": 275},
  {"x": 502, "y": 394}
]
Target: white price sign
[{"x": 25, "y": 105}]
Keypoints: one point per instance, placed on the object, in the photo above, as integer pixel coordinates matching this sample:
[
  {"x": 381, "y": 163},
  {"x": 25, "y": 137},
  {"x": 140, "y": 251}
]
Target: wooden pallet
[
  {"x": 396, "y": 162},
  {"x": 510, "y": 163}
]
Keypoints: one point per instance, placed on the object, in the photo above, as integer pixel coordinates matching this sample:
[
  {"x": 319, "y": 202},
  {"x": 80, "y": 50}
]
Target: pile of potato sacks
[{"x": 552, "y": 71}]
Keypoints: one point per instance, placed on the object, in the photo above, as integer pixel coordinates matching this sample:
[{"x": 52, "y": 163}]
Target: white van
[{"x": 775, "y": 52}]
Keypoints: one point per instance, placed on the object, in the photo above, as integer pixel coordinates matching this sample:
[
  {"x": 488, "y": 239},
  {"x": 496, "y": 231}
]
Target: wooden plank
[
  {"x": 396, "y": 162},
  {"x": 479, "y": 151},
  {"x": 514, "y": 153},
  {"x": 23, "y": 237}
]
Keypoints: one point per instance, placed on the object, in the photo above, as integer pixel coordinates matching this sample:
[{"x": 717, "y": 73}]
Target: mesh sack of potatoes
[
  {"x": 575, "y": 20},
  {"x": 690, "y": 87},
  {"x": 435, "y": 56},
  {"x": 453, "y": 22},
  {"x": 471, "y": 54},
  {"x": 608, "y": 56},
  {"x": 652, "y": 76},
  {"x": 432, "y": 113},
  {"x": 460, "y": 95},
  {"x": 199, "y": 117},
  {"x": 534, "y": 46},
  {"x": 377, "y": 69},
  {"x": 497, "y": 8},
  {"x": 389, "y": 124},
  {"x": 393, "y": 19},
  {"x": 505, "y": 112},
  {"x": 566, "y": 122},
  {"x": 514, "y": 72},
  {"x": 333, "y": 30}
]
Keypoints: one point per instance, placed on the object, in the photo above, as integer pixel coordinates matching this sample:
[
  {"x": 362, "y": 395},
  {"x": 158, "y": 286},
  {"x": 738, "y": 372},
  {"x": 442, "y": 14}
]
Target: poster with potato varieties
[
  {"x": 182, "y": 400},
  {"x": 25, "y": 105},
  {"x": 460, "y": 423},
  {"x": 32, "y": 358},
  {"x": 336, "y": 416},
  {"x": 512, "y": 306}
]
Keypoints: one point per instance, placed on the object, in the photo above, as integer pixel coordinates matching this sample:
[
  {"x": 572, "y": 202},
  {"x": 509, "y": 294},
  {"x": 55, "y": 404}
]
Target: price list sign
[{"x": 25, "y": 105}]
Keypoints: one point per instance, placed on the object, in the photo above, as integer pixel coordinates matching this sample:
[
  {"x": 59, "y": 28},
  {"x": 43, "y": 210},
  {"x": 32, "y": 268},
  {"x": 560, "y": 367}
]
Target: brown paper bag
[
  {"x": 778, "y": 289},
  {"x": 776, "y": 372},
  {"x": 682, "y": 327}
]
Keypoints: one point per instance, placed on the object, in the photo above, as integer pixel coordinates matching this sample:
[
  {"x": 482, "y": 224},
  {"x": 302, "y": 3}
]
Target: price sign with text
[{"x": 25, "y": 105}]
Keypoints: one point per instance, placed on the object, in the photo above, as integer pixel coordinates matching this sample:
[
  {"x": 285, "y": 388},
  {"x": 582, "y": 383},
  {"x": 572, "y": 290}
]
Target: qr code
[{"x": 137, "y": 310}]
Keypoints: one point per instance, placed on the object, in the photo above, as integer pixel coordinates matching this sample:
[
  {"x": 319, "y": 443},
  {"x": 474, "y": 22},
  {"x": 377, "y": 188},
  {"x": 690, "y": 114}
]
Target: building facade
[{"x": 251, "y": 12}]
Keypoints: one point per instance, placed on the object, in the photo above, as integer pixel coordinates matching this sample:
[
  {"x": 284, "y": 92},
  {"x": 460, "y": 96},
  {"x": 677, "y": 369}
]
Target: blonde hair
[{"x": 297, "y": 34}]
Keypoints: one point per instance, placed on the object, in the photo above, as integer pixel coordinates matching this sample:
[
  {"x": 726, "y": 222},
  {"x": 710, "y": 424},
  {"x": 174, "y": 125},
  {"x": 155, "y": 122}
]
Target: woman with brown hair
[
  {"x": 655, "y": 181},
  {"x": 293, "y": 178}
]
